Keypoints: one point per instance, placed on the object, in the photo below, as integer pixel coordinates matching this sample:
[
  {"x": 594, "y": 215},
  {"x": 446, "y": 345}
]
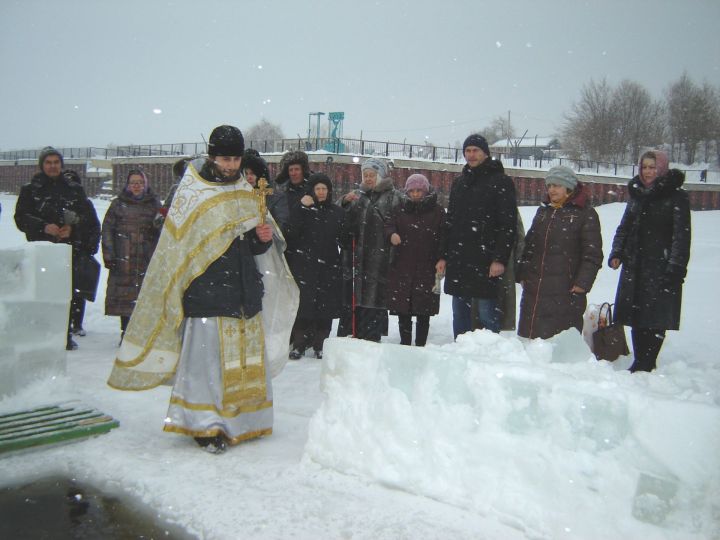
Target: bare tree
[
  {"x": 639, "y": 121},
  {"x": 710, "y": 100},
  {"x": 588, "y": 130},
  {"x": 264, "y": 130},
  {"x": 693, "y": 115},
  {"x": 498, "y": 130}
]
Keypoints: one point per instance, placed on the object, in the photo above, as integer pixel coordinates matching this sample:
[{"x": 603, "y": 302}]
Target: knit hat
[
  {"x": 320, "y": 178},
  {"x": 49, "y": 151},
  {"x": 417, "y": 181},
  {"x": 477, "y": 140},
  {"x": 561, "y": 176},
  {"x": 376, "y": 165},
  {"x": 226, "y": 141},
  {"x": 661, "y": 161}
]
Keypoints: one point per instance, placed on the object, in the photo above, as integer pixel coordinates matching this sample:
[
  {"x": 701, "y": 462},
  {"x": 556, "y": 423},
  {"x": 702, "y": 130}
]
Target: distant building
[{"x": 537, "y": 147}]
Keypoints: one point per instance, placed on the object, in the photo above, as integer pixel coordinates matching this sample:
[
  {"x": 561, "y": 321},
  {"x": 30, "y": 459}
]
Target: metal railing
[{"x": 541, "y": 160}]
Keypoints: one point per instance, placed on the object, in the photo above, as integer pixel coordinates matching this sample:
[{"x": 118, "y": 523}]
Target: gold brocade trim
[
  {"x": 215, "y": 432},
  {"x": 203, "y": 208},
  {"x": 176, "y": 276},
  {"x": 242, "y": 360},
  {"x": 226, "y": 413},
  {"x": 145, "y": 381}
]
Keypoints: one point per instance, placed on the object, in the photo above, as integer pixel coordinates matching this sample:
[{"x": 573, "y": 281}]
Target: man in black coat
[
  {"x": 292, "y": 182},
  {"x": 54, "y": 208},
  {"x": 481, "y": 225}
]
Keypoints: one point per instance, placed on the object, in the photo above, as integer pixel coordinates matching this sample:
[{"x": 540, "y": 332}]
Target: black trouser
[
  {"x": 310, "y": 332},
  {"x": 646, "y": 347},
  {"x": 370, "y": 323},
  {"x": 77, "y": 311},
  {"x": 123, "y": 324},
  {"x": 422, "y": 327}
]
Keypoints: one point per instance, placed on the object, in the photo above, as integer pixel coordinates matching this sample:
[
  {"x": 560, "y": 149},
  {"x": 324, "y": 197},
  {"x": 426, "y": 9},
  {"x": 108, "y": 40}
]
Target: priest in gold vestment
[{"x": 216, "y": 306}]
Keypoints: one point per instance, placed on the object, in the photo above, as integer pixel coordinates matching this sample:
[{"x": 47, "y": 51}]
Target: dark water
[{"x": 61, "y": 509}]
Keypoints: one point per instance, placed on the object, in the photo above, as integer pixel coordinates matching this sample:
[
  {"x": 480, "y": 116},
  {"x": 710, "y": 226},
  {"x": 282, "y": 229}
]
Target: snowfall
[{"x": 488, "y": 437}]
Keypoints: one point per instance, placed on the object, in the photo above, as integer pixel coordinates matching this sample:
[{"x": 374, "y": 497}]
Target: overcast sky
[{"x": 90, "y": 73}]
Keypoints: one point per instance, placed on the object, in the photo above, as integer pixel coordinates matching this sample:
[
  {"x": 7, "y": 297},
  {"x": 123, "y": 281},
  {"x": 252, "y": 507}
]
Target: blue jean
[{"x": 487, "y": 314}]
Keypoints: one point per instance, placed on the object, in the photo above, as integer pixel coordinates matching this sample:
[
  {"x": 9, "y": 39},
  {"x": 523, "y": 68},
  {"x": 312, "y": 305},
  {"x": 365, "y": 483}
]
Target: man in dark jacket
[
  {"x": 54, "y": 208},
  {"x": 481, "y": 225},
  {"x": 292, "y": 182}
]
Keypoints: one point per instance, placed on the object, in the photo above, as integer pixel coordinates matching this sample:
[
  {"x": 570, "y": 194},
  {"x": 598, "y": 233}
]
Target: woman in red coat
[{"x": 415, "y": 231}]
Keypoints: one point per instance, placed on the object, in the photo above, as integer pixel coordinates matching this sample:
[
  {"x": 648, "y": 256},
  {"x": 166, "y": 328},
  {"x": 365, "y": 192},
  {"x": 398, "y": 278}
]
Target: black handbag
[
  {"x": 85, "y": 275},
  {"x": 609, "y": 340}
]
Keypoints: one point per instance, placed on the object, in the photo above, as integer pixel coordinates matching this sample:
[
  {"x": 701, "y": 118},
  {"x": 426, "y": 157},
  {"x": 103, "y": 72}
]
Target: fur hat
[
  {"x": 477, "y": 140},
  {"x": 376, "y": 165},
  {"x": 256, "y": 164},
  {"x": 661, "y": 161},
  {"x": 561, "y": 176},
  {"x": 417, "y": 181},
  {"x": 49, "y": 151},
  {"x": 293, "y": 157},
  {"x": 226, "y": 141}
]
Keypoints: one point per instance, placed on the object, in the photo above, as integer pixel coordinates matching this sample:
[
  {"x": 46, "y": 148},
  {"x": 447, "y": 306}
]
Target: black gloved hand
[{"x": 674, "y": 275}]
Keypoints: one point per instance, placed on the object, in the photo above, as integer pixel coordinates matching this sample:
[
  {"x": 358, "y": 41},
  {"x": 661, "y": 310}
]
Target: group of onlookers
[
  {"x": 379, "y": 250},
  {"x": 212, "y": 286}
]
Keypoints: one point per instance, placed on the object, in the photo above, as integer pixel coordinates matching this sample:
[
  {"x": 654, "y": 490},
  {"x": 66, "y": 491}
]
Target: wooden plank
[
  {"x": 50, "y": 425},
  {"x": 40, "y": 427},
  {"x": 68, "y": 414}
]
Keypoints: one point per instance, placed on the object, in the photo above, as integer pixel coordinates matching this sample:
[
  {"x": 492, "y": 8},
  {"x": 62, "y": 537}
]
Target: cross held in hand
[{"x": 261, "y": 193}]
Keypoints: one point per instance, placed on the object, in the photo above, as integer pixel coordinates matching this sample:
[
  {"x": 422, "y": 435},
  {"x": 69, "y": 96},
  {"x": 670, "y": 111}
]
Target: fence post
[
  {"x": 387, "y": 149},
  {"x": 362, "y": 147},
  {"x": 410, "y": 150},
  {"x": 597, "y": 167},
  {"x": 615, "y": 168},
  {"x": 433, "y": 158}
]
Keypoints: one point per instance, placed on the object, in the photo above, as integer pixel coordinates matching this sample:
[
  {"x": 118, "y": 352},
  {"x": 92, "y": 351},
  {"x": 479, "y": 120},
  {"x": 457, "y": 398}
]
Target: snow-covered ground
[{"x": 484, "y": 438}]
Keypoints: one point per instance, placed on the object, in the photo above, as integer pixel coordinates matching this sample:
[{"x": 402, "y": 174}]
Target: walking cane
[{"x": 352, "y": 302}]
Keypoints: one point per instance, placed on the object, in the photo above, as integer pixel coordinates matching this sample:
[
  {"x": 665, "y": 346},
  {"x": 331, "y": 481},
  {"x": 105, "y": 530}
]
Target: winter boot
[
  {"x": 212, "y": 445},
  {"x": 405, "y": 328}
]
